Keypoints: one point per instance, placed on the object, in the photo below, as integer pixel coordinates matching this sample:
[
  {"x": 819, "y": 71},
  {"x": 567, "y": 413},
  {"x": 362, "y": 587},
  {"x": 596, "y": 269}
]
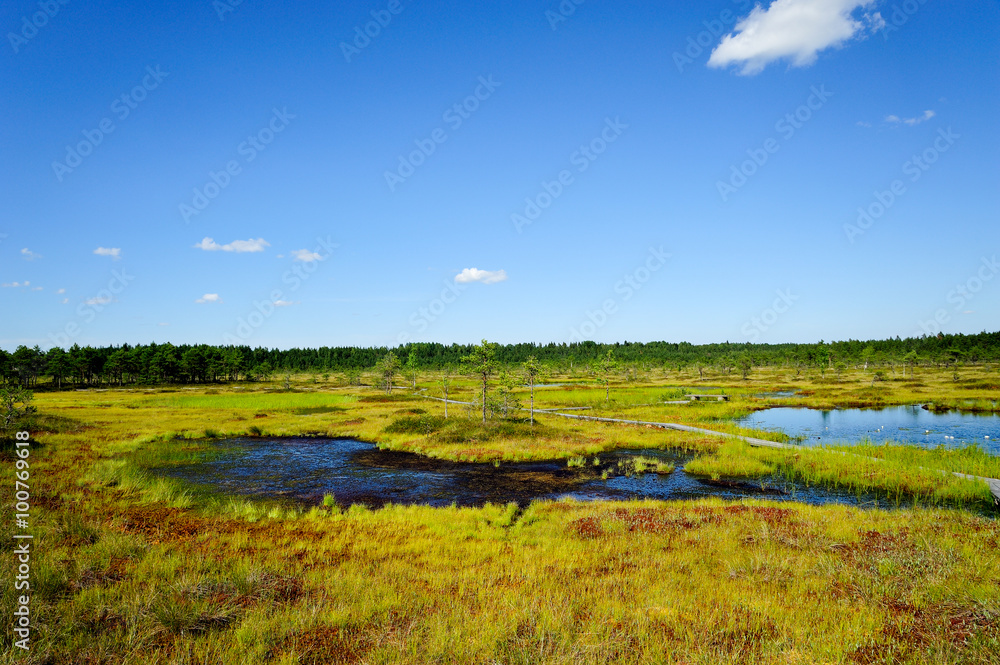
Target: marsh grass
[
  {"x": 261, "y": 400},
  {"x": 970, "y": 459},
  {"x": 130, "y": 567},
  {"x": 896, "y": 475}
]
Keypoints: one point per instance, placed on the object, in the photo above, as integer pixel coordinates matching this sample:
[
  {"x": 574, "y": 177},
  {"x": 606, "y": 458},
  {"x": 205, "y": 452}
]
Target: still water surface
[
  {"x": 304, "y": 470},
  {"x": 907, "y": 424}
]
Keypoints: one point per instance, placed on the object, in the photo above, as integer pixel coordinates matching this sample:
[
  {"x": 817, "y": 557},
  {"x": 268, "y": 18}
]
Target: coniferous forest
[{"x": 202, "y": 363}]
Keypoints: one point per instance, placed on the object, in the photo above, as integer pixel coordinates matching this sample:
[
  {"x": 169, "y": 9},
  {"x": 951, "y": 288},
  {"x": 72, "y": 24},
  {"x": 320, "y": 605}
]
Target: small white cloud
[
  {"x": 792, "y": 29},
  {"x": 862, "y": 123},
  {"x": 38, "y": 288},
  {"x": 163, "y": 324},
  {"x": 895, "y": 119},
  {"x": 470, "y": 275},
  {"x": 15, "y": 285},
  {"x": 969, "y": 311},
  {"x": 284, "y": 303},
  {"x": 65, "y": 301},
  {"x": 99, "y": 300},
  {"x": 29, "y": 255},
  {"x": 61, "y": 291},
  {"x": 306, "y": 255},
  {"x": 238, "y": 246},
  {"x": 209, "y": 298},
  {"x": 113, "y": 252}
]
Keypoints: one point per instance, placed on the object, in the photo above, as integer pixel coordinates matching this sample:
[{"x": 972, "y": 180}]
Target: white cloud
[
  {"x": 61, "y": 291},
  {"x": 113, "y": 252},
  {"x": 284, "y": 303},
  {"x": 895, "y": 119},
  {"x": 99, "y": 300},
  {"x": 163, "y": 324},
  {"x": 237, "y": 246},
  {"x": 29, "y": 255},
  {"x": 15, "y": 285},
  {"x": 306, "y": 256},
  {"x": 792, "y": 29},
  {"x": 209, "y": 298},
  {"x": 65, "y": 301},
  {"x": 38, "y": 288},
  {"x": 476, "y": 275},
  {"x": 862, "y": 123}
]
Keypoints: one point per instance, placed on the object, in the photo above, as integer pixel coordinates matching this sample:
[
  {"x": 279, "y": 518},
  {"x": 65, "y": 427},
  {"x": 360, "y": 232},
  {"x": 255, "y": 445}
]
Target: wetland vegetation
[{"x": 135, "y": 562}]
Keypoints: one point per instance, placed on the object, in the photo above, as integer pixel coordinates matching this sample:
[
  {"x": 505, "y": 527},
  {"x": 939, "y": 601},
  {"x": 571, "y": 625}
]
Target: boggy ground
[{"x": 130, "y": 567}]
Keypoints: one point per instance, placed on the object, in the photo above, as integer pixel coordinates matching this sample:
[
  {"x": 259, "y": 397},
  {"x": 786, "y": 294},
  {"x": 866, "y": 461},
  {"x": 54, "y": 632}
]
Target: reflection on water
[
  {"x": 304, "y": 470},
  {"x": 909, "y": 424}
]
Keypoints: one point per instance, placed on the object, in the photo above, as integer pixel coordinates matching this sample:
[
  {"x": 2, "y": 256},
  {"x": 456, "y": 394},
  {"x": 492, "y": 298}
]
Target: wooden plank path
[{"x": 993, "y": 483}]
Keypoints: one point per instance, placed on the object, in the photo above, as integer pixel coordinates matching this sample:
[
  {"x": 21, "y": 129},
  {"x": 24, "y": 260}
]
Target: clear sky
[{"x": 270, "y": 174}]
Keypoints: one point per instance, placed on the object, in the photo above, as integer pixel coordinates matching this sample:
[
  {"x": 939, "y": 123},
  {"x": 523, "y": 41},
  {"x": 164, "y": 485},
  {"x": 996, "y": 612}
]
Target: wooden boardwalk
[{"x": 993, "y": 483}]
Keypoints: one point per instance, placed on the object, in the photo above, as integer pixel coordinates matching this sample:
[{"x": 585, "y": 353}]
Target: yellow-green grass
[
  {"x": 131, "y": 567},
  {"x": 565, "y": 582},
  {"x": 259, "y": 400},
  {"x": 969, "y": 459},
  {"x": 643, "y": 464},
  {"x": 899, "y": 477}
]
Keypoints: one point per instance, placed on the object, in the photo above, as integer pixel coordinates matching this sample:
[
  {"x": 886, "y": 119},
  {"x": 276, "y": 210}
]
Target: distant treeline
[{"x": 167, "y": 363}]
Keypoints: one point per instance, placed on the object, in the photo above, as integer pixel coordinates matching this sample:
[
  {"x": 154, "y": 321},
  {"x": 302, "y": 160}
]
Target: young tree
[
  {"x": 411, "y": 367},
  {"x": 352, "y": 376},
  {"x": 867, "y": 354},
  {"x": 482, "y": 362},
  {"x": 531, "y": 371},
  {"x": 839, "y": 367},
  {"x": 507, "y": 382},
  {"x": 445, "y": 383},
  {"x": 606, "y": 367},
  {"x": 15, "y": 405},
  {"x": 386, "y": 369},
  {"x": 745, "y": 365}
]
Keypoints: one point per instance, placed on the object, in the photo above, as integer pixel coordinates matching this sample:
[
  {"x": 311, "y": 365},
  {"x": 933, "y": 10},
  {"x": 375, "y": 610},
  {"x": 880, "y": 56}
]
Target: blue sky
[{"x": 533, "y": 172}]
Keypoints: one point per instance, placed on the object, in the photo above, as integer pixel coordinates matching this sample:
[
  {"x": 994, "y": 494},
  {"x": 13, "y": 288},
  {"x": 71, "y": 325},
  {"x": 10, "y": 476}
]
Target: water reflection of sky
[
  {"x": 305, "y": 470},
  {"x": 909, "y": 424}
]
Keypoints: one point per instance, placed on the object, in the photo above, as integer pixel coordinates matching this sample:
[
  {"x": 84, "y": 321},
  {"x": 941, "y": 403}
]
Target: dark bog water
[
  {"x": 909, "y": 424},
  {"x": 305, "y": 470}
]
